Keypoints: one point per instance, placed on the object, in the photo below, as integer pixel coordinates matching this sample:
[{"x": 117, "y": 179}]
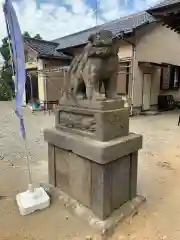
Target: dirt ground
[{"x": 158, "y": 181}]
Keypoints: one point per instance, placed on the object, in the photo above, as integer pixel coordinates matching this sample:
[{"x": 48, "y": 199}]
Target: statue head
[
  {"x": 103, "y": 44},
  {"x": 101, "y": 38}
]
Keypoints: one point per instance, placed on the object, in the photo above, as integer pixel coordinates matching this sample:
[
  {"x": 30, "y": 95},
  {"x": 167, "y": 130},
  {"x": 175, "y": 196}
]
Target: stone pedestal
[{"x": 92, "y": 155}]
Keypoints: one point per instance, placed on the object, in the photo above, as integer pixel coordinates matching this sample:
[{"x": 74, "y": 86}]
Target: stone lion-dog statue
[{"x": 95, "y": 67}]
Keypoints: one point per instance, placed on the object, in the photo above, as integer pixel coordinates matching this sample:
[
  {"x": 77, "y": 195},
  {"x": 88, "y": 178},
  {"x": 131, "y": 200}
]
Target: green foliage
[
  {"x": 37, "y": 36},
  {"x": 26, "y": 34},
  {"x": 6, "y": 85},
  {"x": 6, "y": 92},
  {"x": 6, "y": 82},
  {"x": 4, "y": 49},
  {"x": 6, "y": 74}
]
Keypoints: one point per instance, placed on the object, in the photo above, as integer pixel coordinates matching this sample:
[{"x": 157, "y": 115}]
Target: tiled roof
[
  {"x": 45, "y": 48},
  {"x": 164, "y": 3},
  {"x": 124, "y": 24}
]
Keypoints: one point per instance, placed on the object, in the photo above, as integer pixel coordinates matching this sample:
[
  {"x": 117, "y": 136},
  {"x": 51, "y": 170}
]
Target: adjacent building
[
  {"x": 39, "y": 56},
  {"x": 149, "y": 54}
]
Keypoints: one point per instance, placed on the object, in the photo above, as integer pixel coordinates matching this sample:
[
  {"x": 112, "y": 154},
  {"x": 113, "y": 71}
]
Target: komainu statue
[{"x": 95, "y": 67}]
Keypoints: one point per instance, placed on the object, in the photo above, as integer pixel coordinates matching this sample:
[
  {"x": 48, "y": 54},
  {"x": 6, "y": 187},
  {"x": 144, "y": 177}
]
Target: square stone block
[
  {"x": 92, "y": 156},
  {"x": 112, "y": 124},
  {"x": 120, "y": 181},
  {"x": 97, "y": 124},
  {"x": 101, "y": 187},
  {"x": 73, "y": 175}
]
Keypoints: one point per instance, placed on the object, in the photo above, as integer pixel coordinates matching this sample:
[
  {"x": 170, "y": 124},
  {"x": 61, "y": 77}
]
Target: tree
[
  {"x": 6, "y": 92},
  {"x": 6, "y": 82},
  {"x": 37, "y": 36},
  {"x": 4, "y": 49},
  {"x": 26, "y": 34}
]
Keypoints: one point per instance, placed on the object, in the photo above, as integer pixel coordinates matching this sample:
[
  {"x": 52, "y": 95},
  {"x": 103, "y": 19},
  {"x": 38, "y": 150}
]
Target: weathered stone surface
[
  {"x": 78, "y": 121},
  {"x": 101, "y": 187},
  {"x": 67, "y": 104},
  {"x": 104, "y": 226},
  {"x": 62, "y": 170},
  {"x": 95, "y": 156},
  {"x": 133, "y": 174},
  {"x": 96, "y": 65},
  {"x": 80, "y": 179},
  {"x": 101, "y": 190},
  {"x": 73, "y": 175},
  {"x": 112, "y": 124},
  {"x": 100, "y": 125},
  {"x": 120, "y": 181},
  {"x": 97, "y": 151}
]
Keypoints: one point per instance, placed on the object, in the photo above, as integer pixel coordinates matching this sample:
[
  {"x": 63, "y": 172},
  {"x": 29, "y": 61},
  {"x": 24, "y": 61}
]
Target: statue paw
[
  {"x": 114, "y": 96},
  {"x": 80, "y": 97},
  {"x": 98, "y": 97}
]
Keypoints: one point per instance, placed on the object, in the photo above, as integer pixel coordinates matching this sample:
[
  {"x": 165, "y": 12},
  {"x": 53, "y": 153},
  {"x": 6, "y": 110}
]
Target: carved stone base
[
  {"x": 104, "y": 121},
  {"x": 93, "y": 157},
  {"x": 100, "y": 105},
  {"x": 101, "y": 176}
]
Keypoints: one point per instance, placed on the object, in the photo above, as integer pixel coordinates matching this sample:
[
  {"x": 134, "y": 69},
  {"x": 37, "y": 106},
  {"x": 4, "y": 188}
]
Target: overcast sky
[{"x": 56, "y": 18}]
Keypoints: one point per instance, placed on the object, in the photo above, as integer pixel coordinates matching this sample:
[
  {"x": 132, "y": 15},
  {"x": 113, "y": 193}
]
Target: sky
[{"x": 55, "y": 18}]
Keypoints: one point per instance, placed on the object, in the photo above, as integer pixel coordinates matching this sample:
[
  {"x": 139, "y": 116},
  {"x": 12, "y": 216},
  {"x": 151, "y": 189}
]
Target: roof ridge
[
  {"x": 40, "y": 40},
  {"x": 72, "y": 34},
  {"x": 45, "y": 48},
  {"x": 126, "y": 17},
  {"x": 104, "y": 24},
  {"x": 164, "y": 3}
]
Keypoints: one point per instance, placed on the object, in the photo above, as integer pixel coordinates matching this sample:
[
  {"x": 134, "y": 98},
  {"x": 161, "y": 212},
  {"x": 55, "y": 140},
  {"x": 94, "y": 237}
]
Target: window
[
  {"x": 170, "y": 78},
  {"x": 123, "y": 76}
]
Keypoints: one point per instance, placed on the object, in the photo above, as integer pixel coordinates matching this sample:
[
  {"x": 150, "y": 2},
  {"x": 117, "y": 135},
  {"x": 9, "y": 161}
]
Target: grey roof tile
[
  {"x": 45, "y": 48},
  {"x": 124, "y": 24},
  {"x": 164, "y": 3}
]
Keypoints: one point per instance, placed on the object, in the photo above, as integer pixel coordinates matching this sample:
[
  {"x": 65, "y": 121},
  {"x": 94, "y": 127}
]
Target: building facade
[
  {"x": 149, "y": 57},
  {"x": 155, "y": 59},
  {"x": 44, "y": 81}
]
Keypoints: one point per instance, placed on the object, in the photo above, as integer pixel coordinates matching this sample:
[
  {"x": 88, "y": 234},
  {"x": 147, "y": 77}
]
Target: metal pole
[
  {"x": 24, "y": 138},
  {"x": 30, "y": 186},
  {"x": 96, "y": 11}
]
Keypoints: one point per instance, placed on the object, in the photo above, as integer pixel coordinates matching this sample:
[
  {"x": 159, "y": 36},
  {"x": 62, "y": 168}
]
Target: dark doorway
[{"x": 32, "y": 92}]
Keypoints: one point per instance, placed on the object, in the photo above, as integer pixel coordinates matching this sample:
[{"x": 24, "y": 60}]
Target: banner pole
[
  {"x": 30, "y": 185},
  {"x": 34, "y": 198}
]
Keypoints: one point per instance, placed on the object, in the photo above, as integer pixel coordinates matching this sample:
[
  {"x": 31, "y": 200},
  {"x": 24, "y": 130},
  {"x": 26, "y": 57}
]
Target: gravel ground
[{"x": 158, "y": 180}]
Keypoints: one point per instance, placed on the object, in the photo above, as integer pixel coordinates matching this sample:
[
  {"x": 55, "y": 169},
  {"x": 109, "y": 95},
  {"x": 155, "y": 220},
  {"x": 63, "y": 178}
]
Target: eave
[{"x": 168, "y": 15}]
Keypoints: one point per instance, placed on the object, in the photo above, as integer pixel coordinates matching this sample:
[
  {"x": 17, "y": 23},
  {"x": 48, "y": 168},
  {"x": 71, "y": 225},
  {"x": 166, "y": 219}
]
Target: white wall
[
  {"x": 158, "y": 44},
  {"x": 125, "y": 50}
]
